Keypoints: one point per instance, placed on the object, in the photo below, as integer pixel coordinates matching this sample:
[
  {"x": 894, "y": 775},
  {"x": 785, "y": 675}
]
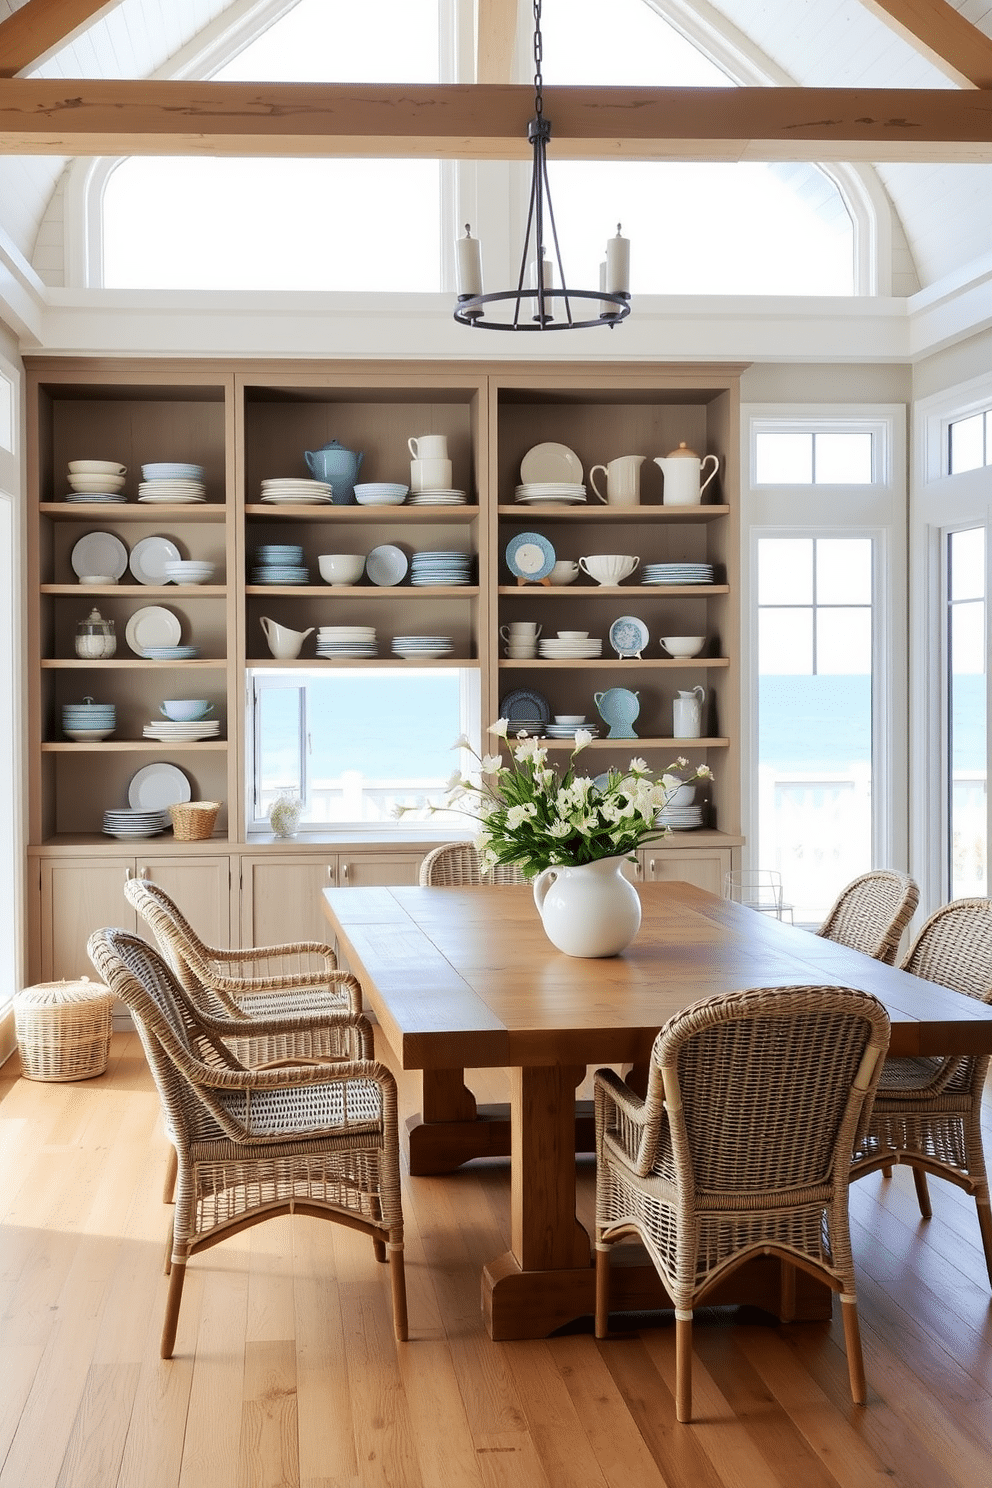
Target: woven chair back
[
  {"x": 872, "y": 912},
  {"x": 954, "y": 949},
  {"x": 456, "y": 864},
  {"x": 767, "y": 1078}
]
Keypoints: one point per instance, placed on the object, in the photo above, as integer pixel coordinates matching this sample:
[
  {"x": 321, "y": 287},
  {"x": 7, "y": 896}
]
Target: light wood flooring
[{"x": 286, "y": 1372}]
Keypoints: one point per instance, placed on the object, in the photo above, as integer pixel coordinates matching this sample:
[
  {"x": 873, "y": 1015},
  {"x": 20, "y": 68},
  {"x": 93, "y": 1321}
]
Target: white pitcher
[
  {"x": 285, "y": 644},
  {"x": 623, "y": 480},
  {"x": 682, "y": 470},
  {"x": 588, "y": 910},
  {"x": 687, "y": 710}
]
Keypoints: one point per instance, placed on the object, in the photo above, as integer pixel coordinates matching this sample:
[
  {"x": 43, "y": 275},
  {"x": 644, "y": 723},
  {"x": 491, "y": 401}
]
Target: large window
[
  {"x": 967, "y": 703},
  {"x": 356, "y": 744},
  {"x": 969, "y": 442},
  {"x": 815, "y": 715}
]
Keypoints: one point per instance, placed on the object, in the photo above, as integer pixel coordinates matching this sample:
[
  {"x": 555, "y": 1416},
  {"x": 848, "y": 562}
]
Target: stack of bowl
[
  {"x": 96, "y": 480},
  {"x": 88, "y": 721},
  {"x": 188, "y": 571}
]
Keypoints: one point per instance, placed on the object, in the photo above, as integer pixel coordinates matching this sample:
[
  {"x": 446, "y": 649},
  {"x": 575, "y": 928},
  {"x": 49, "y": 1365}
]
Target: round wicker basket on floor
[
  {"x": 63, "y": 1029},
  {"x": 192, "y": 821}
]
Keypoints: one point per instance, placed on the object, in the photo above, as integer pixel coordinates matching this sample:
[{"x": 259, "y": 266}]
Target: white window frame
[
  {"x": 876, "y": 511},
  {"x": 940, "y": 504},
  {"x": 13, "y": 701}
]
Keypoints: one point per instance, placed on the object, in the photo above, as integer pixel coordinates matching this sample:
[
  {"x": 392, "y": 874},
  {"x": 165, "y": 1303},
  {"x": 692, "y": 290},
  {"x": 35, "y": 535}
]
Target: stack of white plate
[
  {"x": 534, "y": 728},
  {"x": 424, "y": 646},
  {"x": 440, "y": 568},
  {"x": 124, "y": 824},
  {"x": 167, "y": 732},
  {"x": 356, "y": 641},
  {"x": 680, "y": 818},
  {"x": 288, "y": 490},
  {"x": 380, "y": 493},
  {"x": 170, "y": 653},
  {"x": 567, "y": 730},
  {"x": 555, "y": 649},
  {"x": 677, "y": 573},
  {"x": 188, "y": 571},
  {"x": 88, "y": 722},
  {"x": 88, "y": 496},
  {"x": 168, "y": 481},
  {"x": 279, "y": 563},
  {"x": 438, "y": 498},
  {"x": 561, "y": 493}
]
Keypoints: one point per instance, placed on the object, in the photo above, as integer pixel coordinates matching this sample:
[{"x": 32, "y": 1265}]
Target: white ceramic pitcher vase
[
  {"x": 589, "y": 910},
  {"x": 687, "y": 713}
]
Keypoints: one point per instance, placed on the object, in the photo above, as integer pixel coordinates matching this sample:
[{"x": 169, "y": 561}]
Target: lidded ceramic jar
[{"x": 95, "y": 638}]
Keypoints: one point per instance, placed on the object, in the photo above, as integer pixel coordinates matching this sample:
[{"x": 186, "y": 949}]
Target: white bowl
[
  {"x": 573, "y": 635},
  {"x": 569, "y": 718},
  {"x": 188, "y": 570},
  {"x": 608, "y": 568},
  {"x": 683, "y": 645},
  {"x": 684, "y": 796},
  {"x": 97, "y": 579},
  {"x": 88, "y": 483},
  {"x": 96, "y": 467},
  {"x": 186, "y": 710},
  {"x": 341, "y": 568},
  {"x": 564, "y": 572}
]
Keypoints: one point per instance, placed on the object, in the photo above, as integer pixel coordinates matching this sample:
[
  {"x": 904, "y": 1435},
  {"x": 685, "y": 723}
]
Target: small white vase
[{"x": 590, "y": 910}]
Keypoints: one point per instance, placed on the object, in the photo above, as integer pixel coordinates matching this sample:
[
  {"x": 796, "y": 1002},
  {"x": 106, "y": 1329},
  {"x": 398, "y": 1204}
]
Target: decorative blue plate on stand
[
  {"x": 530, "y": 556},
  {"x": 629, "y": 636},
  {"x": 618, "y": 707}
]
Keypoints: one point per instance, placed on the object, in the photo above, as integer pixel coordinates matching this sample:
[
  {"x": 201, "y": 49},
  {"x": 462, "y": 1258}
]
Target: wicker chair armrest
[
  {"x": 288, "y": 950},
  {"x": 341, "y": 983},
  {"x": 296, "y": 1076},
  {"x": 280, "y": 1024},
  {"x": 633, "y": 1133}
]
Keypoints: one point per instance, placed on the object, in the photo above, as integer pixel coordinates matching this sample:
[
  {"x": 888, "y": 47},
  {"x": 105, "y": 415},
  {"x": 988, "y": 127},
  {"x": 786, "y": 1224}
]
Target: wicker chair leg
[
  {"x": 397, "y": 1277},
  {"x": 683, "y": 1368},
  {"x": 855, "y": 1358},
  {"x": 173, "y": 1300},
  {"x": 602, "y": 1293},
  {"x": 922, "y": 1192},
  {"x": 985, "y": 1225},
  {"x": 169, "y": 1182},
  {"x": 379, "y": 1246}
]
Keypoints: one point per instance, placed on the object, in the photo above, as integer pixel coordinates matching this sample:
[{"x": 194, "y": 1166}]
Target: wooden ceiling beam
[
  {"x": 479, "y": 121},
  {"x": 942, "y": 34},
  {"x": 39, "y": 26},
  {"x": 497, "y": 35}
]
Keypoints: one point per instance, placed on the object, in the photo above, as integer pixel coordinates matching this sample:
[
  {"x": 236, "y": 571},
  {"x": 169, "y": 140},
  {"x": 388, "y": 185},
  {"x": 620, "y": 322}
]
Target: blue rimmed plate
[
  {"x": 530, "y": 556},
  {"x": 629, "y": 636}
]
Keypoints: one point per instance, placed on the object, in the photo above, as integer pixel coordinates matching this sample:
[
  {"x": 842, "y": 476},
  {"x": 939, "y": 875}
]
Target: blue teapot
[{"x": 338, "y": 467}]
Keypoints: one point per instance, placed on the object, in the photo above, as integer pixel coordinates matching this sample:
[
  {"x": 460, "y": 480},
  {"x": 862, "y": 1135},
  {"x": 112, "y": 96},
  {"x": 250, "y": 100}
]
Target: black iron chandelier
[{"x": 540, "y": 301}]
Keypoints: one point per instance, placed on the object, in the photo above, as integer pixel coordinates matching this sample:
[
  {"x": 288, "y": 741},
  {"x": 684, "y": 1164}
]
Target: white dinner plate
[
  {"x": 99, "y": 553},
  {"x": 149, "y": 557},
  {"x": 156, "y": 787},
  {"x": 386, "y": 566},
  {"x": 550, "y": 463},
  {"x": 152, "y": 628}
]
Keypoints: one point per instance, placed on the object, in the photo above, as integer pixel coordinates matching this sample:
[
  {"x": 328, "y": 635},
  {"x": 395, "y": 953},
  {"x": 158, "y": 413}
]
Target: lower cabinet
[
  {"x": 281, "y": 896},
  {"x": 703, "y": 867},
  {"x": 80, "y": 895}
]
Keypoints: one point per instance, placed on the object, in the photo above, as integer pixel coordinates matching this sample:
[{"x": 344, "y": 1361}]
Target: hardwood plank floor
[{"x": 286, "y": 1374}]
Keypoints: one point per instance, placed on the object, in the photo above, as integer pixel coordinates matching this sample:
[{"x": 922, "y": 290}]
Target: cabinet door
[
  {"x": 368, "y": 870},
  {"x": 78, "y": 896},
  {"x": 705, "y": 867},
  {"x": 202, "y": 889},
  {"x": 281, "y": 899}
]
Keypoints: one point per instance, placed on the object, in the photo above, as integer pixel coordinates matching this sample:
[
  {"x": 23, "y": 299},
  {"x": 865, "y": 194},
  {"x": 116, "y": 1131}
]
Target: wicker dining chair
[
  {"x": 927, "y": 1111},
  {"x": 320, "y": 1140},
  {"x": 456, "y": 864},
  {"x": 740, "y": 1148},
  {"x": 871, "y": 913}
]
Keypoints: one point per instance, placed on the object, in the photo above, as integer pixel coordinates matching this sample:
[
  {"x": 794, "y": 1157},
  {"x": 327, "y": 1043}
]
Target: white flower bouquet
[{"x": 534, "y": 817}]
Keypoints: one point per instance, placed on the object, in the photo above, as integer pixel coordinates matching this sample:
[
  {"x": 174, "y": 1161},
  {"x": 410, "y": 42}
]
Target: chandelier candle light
[{"x": 536, "y": 298}]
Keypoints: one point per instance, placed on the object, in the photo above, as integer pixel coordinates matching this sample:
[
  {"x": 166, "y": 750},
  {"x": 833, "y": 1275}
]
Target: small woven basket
[
  {"x": 63, "y": 1029},
  {"x": 193, "y": 820}
]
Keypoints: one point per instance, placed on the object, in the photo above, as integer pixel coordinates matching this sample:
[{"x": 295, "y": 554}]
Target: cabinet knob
[
  {"x": 344, "y": 872},
  {"x": 330, "y": 873},
  {"x": 651, "y": 869}
]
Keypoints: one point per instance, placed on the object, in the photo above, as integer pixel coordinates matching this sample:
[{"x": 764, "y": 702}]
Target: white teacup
[
  {"x": 520, "y": 630},
  {"x": 429, "y": 447},
  {"x": 564, "y": 572},
  {"x": 430, "y": 475},
  {"x": 608, "y": 568},
  {"x": 341, "y": 568}
]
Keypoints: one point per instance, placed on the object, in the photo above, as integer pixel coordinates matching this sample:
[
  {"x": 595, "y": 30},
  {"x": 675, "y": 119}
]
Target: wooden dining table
[{"x": 465, "y": 978}]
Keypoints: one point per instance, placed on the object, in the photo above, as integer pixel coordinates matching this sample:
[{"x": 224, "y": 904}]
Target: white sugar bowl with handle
[{"x": 683, "y": 474}]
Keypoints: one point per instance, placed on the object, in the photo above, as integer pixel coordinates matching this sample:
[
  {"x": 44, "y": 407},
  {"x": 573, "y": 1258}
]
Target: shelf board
[
  {"x": 547, "y": 511},
  {"x": 127, "y": 663},
  {"x": 134, "y": 511},
  {"x": 592, "y": 591},
  {"x": 309, "y": 662},
  {"x": 635, "y": 743},
  {"x": 167, "y": 591},
  {"x": 132, "y": 746},
  {"x": 661, "y": 663},
  {"x": 359, "y": 591},
  {"x": 374, "y": 514}
]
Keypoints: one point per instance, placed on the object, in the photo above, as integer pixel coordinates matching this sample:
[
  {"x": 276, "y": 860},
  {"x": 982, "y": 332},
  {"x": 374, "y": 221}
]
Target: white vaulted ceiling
[{"x": 944, "y": 212}]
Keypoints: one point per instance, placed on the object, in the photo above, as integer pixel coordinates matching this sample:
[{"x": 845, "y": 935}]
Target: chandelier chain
[{"x": 538, "y": 59}]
